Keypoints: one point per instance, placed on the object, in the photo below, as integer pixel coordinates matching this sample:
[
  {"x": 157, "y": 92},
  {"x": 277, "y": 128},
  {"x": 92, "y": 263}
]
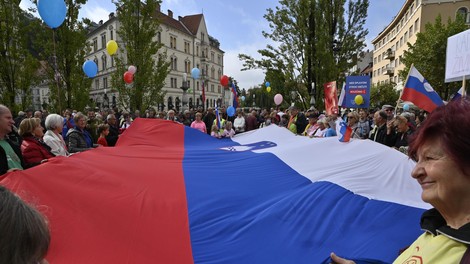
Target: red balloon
[
  {"x": 224, "y": 80},
  {"x": 128, "y": 77}
]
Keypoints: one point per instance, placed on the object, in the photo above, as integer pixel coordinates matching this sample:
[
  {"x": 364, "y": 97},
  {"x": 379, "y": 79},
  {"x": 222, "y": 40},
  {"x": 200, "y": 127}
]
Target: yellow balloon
[
  {"x": 358, "y": 99},
  {"x": 268, "y": 89},
  {"x": 111, "y": 47}
]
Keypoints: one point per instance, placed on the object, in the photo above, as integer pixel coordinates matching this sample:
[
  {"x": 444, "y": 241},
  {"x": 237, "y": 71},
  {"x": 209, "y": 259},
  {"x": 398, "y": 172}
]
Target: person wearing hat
[
  {"x": 312, "y": 125},
  {"x": 389, "y": 110}
]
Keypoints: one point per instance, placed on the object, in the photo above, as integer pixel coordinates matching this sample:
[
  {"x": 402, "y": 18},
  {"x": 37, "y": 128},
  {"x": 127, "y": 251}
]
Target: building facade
[
  {"x": 187, "y": 45},
  {"x": 391, "y": 43}
]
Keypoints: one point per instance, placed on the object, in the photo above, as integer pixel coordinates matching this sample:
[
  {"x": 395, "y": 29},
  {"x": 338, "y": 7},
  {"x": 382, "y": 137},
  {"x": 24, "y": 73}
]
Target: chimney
[
  {"x": 111, "y": 15},
  {"x": 170, "y": 13},
  {"x": 101, "y": 22},
  {"x": 159, "y": 8},
  {"x": 180, "y": 18}
]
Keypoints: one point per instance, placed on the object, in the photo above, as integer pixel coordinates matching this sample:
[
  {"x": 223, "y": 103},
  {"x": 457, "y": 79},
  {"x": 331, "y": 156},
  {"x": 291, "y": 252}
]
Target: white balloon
[{"x": 132, "y": 69}]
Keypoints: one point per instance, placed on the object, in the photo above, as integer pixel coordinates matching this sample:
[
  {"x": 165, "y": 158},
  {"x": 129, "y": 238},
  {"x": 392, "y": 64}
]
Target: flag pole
[
  {"x": 464, "y": 92},
  {"x": 401, "y": 93}
]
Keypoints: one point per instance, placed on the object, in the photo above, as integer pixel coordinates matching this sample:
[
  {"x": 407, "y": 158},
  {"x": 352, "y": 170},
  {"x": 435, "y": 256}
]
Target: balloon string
[{"x": 56, "y": 71}]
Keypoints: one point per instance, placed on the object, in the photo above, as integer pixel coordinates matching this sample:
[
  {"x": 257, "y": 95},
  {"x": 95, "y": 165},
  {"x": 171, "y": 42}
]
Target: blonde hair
[
  {"x": 28, "y": 125},
  {"x": 214, "y": 128}
]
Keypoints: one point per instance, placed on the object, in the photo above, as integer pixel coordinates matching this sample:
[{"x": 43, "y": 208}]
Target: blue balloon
[
  {"x": 90, "y": 68},
  {"x": 195, "y": 73},
  {"x": 406, "y": 107},
  {"x": 268, "y": 84},
  {"x": 53, "y": 12},
  {"x": 230, "y": 111},
  {"x": 243, "y": 98}
]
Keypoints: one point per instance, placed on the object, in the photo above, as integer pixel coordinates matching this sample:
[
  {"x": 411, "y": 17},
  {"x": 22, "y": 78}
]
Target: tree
[
  {"x": 383, "y": 94},
  {"x": 139, "y": 46},
  {"x": 316, "y": 39},
  {"x": 17, "y": 66},
  {"x": 428, "y": 54},
  {"x": 63, "y": 50}
]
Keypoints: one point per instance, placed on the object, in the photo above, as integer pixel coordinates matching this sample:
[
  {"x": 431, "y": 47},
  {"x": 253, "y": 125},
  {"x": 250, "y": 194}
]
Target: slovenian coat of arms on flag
[{"x": 418, "y": 91}]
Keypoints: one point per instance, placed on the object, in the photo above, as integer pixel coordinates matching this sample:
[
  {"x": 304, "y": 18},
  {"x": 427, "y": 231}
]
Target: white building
[{"x": 187, "y": 44}]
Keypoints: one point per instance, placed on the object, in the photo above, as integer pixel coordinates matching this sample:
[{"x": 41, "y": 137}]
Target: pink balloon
[
  {"x": 132, "y": 69},
  {"x": 278, "y": 99}
]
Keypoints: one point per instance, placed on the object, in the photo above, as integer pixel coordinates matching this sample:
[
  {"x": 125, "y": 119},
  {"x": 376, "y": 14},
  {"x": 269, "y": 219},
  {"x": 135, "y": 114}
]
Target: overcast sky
[{"x": 238, "y": 25}]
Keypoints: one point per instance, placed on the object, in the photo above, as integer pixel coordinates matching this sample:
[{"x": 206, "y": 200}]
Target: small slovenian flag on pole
[
  {"x": 345, "y": 132},
  {"x": 217, "y": 116},
  {"x": 457, "y": 95}
]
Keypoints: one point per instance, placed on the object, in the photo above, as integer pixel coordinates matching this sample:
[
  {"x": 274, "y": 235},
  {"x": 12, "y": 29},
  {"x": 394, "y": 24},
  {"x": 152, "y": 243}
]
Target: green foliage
[
  {"x": 317, "y": 40},
  {"x": 17, "y": 66},
  {"x": 428, "y": 54},
  {"x": 138, "y": 30},
  {"x": 383, "y": 94},
  {"x": 63, "y": 50}
]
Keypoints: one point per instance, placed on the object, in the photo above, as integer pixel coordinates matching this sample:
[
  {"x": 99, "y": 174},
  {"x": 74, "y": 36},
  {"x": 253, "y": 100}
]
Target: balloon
[
  {"x": 53, "y": 12},
  {"x": 230, "y": 111},
  {"x": 267, "y": 84},
  {"x": 128, "y": 77},
  {"x": 268, "y": 89},
  {"x": 358, "y": 99},
  {"x": 195, "y": 73},
  {"x": 224, "y": 80},
  {"x": 243, "y": 98},
  {"x": 90, "y": 68},
  {"x": 111, "y": 47},
  {"x": 132, "y": 69},
  {"x": 278, "y": 99},
  {"x": 406, "y": 107}
]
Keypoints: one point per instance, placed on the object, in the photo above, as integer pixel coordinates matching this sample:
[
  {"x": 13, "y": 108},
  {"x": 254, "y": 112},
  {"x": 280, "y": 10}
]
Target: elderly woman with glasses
[
  {"x": 441, "y": 149},
  {"x": 53, "y": 136}
]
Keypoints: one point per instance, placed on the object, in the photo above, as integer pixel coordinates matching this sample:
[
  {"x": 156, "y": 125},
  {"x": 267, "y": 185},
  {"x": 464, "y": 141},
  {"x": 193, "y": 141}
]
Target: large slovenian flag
[
  {"x": 170, "y": 194},
  {"x": 420, "y": 92}
]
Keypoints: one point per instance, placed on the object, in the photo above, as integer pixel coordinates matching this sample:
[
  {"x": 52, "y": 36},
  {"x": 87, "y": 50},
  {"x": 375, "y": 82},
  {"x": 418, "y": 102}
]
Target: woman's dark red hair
[{"x": 451, "y": 125}]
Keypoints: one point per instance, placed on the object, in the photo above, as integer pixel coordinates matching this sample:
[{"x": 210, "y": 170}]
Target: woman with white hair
[{"x": 53, "y": 136}]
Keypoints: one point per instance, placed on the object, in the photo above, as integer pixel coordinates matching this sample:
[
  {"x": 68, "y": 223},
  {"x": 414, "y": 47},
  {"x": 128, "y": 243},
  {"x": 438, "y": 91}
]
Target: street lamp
[
  {"x": 312, "y": 96},
  {"x": 254, "y": 96},
  {"x": 185, "y": 88},
  {"x": 293, "y": 95}
]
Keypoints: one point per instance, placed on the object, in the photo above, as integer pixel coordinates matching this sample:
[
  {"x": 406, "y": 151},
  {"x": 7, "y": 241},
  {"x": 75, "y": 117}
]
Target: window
[
  {"x": 417, "y": 25},
  {"x": 375, "y": 72},
  {"x": 219, "y": 74},
  {"x": 219, "y": 59},
  {"x": 186, "y": 47},
  {"x": 463, "y": 11},
  {"x": 212, "y": 73},
  {"x": 103, "y": 41},
  {"x": 412, "y": 7},
  {"x": 212, "y": 57},
  {"x": 97, "y": 84},
  {"x": 172, "y": 42},
  {"x": 103, "y": 62},
  {"x": 380, "y": 57},
  {"x": 173, "y": 82},
  {"x": 203, "y": 37},
  {"x": 105, "y": 83},
  {"x": 187, "y": 66},
  {"x": 197, "y": 50},
  {"x": 111, "y": 34},
  {"x": 411, "y": 30},
  {"x": 212, "y": 88},
  {"x": 174, "y": 63},
  {"x": 218, "y": 89},
  {"x": 405, "y": 36},
  {"x": 401, "y": 41},
  {"x": 95, "y": 44}
]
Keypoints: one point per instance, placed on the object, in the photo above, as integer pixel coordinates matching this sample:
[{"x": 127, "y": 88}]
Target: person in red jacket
[{"x": 33, "y": 149}]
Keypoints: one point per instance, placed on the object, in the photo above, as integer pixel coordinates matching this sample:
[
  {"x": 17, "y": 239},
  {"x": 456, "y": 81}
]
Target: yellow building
[{"x": 391, "y": 43}]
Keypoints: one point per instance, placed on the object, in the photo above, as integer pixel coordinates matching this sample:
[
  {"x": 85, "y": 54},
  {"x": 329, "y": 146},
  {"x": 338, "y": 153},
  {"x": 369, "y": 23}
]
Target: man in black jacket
[
  {"x": 379, "y": 132},
  {"x": 10, "y": 153}
]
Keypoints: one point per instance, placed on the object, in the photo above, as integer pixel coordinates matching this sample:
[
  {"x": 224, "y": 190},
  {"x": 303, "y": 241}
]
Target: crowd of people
[
  {"x": 39, "y": 136},
  {"x": 438, "y": 143}
]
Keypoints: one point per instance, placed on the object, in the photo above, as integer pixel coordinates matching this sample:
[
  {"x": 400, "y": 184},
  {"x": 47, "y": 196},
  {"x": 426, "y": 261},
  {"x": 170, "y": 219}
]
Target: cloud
[{"x": 96, "y": 13}]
